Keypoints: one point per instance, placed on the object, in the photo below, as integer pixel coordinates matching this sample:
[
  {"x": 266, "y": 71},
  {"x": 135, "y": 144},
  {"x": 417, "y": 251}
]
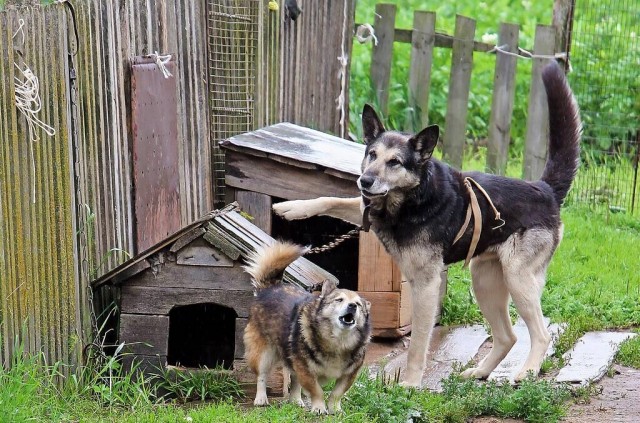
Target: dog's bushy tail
[
  {"x": 266, "y": 266},
  {"x": 564, "y": 132}
]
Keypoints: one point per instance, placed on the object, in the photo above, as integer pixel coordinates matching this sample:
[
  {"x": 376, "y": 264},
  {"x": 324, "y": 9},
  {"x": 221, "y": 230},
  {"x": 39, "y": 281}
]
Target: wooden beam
[
  {"x": 459, "y": 82},
  {"x": 535, "y": 145},
  {"x": 504, "y": 90},
  {"x": 422, "y": 42},
  {"x": 383, "y": 54}
]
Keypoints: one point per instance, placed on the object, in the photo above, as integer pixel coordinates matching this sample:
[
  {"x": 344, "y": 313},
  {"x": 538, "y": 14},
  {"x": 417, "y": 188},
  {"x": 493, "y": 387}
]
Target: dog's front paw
[
  {"x": 412, "y": 381},
  {"x": 475, "y": 373},
  {"x": 261, "y": 400},
  {"x": 335, "y": 408},
  {"x": 525, "y": 373},
  {"x": 293, "y": 210},
  {"x": 319, "y": 408}
]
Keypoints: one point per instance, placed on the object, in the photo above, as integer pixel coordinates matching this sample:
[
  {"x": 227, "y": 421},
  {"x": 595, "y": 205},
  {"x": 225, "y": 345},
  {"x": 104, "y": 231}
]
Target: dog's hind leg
[
  {"x": 527, "y": 302},
  {"x": 524, "y": 264},
  {"x": 266, "y": 361},
  {"x": 493, "y": 298}
]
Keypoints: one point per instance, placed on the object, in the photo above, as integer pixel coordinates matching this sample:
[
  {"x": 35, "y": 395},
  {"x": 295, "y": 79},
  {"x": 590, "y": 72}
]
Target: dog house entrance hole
[{"x": 202, "y": 335}]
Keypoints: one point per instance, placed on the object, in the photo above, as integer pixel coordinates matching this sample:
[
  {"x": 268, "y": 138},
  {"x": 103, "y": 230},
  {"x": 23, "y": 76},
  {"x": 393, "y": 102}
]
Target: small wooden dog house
[
  {"x": 185, "y": 301},
  {"x": 290, "y": 162}
]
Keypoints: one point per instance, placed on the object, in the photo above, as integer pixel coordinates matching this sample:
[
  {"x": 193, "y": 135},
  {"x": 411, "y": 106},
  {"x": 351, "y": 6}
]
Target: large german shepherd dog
[{"x": 417, "y": 206}]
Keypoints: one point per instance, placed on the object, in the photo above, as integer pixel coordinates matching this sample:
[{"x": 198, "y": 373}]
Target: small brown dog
[{"x": 316, "y": 337}]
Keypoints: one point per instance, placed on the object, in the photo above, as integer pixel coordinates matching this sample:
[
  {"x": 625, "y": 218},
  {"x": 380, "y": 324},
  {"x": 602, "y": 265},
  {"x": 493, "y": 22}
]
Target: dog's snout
[
  {"x": 366, "y": 181},
  {"x": 351, "y": 308}
]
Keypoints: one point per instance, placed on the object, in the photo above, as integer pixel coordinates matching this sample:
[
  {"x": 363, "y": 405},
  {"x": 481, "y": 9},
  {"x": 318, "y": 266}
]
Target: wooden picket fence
[{"x": 423, "y": 39}]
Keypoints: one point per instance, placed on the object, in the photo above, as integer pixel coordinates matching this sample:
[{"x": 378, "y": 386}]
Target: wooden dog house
[
  {"x": 185, "y": 301},
  {"x": 289, "y": 162}
]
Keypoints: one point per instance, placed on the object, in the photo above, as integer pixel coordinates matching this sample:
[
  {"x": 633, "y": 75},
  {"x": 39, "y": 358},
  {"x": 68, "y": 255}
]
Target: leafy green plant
[
  {"x": 198, "y": 384},
  {"x": 629, "y": 353}
]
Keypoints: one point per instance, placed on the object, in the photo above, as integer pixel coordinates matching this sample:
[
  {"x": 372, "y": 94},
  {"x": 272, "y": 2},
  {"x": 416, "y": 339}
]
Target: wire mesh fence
[
  {"x": 605, "y": 57},
  {"x": 233, "y": 36}
]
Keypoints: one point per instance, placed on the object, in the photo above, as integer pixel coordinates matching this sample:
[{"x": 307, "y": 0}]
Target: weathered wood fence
[{"x": 423, "y": 39}]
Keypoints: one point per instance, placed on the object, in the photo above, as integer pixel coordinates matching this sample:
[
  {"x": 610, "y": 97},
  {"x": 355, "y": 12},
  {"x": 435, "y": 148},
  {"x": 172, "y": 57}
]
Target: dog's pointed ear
[
  {"x": 424, "y": 142},
  {"x": 327, "y": 288},
  {"x": 371, "y": 125}
]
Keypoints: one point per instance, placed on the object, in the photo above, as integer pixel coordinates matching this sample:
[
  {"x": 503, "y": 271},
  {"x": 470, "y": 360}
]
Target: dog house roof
[
  {"x": 300, "y": 147},
  {"x": 228, "y": 231}
]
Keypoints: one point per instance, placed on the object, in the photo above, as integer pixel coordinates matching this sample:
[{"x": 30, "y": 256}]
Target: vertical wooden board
[
  {"x": 385, "y": 308},
  {"x": 375, "y": 266},
  {"x": 258, "y": 206},
  {"x": 504, "y": 90},
  {"x": 535, "y": 144},
  {"x": 241, "y": 324},
  {"x": 145, "y": 333},
  {"x": 384, "y": 25},
  {"x": 155, "y": 151},
  {"x": 422, "y": 41},
  {"x": 458, "y": 100}
]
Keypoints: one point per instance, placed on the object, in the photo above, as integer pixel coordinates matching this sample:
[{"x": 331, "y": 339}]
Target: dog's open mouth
[
  {"x": 370, "y": 194},
  {"x": 348, "y": 319}
]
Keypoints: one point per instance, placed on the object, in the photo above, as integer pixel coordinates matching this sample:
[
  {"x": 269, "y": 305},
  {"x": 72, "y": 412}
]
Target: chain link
[{"x": 337, "y": 241}]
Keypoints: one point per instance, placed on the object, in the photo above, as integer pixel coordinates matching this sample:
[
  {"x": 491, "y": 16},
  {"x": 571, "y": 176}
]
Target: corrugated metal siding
[
  {"x": 43, "y": 275},
  {"x": 38, "y": 289}
]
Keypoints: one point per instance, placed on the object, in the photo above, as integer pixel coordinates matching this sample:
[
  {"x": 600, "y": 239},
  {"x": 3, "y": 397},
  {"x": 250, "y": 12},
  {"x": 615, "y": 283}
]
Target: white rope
[
  {"x": 344, "y": 61},
  {"x": 365, "y": 33},
  {"x": 161, "y": 62},
  {"x": 27, "y": 95},
  {"x": 525, "y": 54}
]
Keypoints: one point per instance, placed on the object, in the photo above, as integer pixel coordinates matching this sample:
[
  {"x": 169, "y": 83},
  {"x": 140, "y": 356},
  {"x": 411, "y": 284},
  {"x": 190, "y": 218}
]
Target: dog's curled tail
[
  {"x": 266, "y": 266},
  {"x": 564, "y": 132}
]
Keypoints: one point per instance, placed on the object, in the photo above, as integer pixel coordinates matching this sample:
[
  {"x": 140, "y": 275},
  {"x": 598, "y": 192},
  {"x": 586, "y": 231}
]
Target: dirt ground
[{"x": 617, "y": 402}]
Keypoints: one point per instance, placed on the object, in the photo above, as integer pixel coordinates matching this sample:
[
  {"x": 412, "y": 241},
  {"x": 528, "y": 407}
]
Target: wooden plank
[
  {"x": 201, "y": 253},
  {"x": 592, "y": 355},
  {"x": 131, "y": 271},
  {"x": 275, "y": 179},
  {"x": 258, "y": 206},
  {"x": 441, "y": 40},
  {"x": 504, "y": 90},
  {"x": 144, "y": 334},
  {"x": 422, "y": 42},
  {"x": 241, "y": 324},
  {"x": 303, "y": 145},
  {"x": 375, "y": 266},
  {"x": 458, "y": 100},
  {"x": 173, "y": 275},
  {"x": 155, "y": 300},
  {"x": 187, "y": 238},
  {"x": 382, "y": 54},
  {"x": 514, "y": 360},
  {"x": 535, "y": 144},
  {"x": 385, "y": 308},
  {"x": 217, "y": 239}
]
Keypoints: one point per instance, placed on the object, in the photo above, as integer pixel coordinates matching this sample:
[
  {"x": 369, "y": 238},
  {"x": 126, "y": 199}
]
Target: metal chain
[
  {"x": 81, "y": 212},
  {"x": 336, "y": 241}
]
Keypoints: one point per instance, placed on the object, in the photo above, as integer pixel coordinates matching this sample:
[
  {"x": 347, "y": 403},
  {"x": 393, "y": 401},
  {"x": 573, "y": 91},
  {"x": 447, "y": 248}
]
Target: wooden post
[
  {"x": 422, "y": 40},
  {"x": 562, "y": 23},
  {"x": 457, "y": 104},
  {"x": 384, "y": 25},
  {"x": 258, "y": 206},
  {"x": 504, "y": 89},
  {"x": 535, "y": 147}
]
